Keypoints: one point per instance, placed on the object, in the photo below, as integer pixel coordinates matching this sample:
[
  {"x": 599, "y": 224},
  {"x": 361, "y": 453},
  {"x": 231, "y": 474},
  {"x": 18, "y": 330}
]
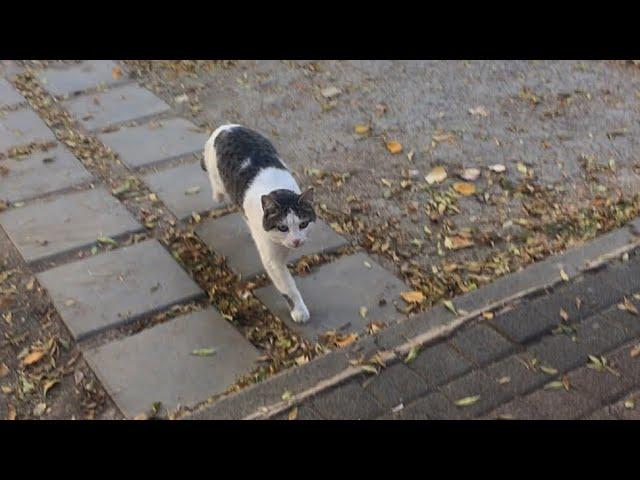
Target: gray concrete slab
[
  {"x": 120, "y": 104},
  {"x": 76, "y": 78},
  {"x": 183, "y": 189},
  {"x": 9, "y": 96},
  {"x": 41, "y": 173},
  {"x": 155, "y": 141},
  {"x": 158, "y": 364},
  {"x": 22, "y": 127},
  {"x": 113, "y": 288},
  {"x": 75, "y": 220},
  {"x": 334, "y": 294}
]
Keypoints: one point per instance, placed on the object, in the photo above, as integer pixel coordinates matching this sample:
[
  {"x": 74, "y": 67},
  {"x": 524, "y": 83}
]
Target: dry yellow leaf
[
  {"x": 487, "y": 315},
  {"x": 116, "y": 72},
  {"x": 362, "y": 129},
  {"x": 394, "y": 147},
  {"x": 414, "y": 296},
  {"x": 33, "y": 357},
  {"x": 635, "y": 351},
  {"x": 464, "y": 188},
  {"x": 347, "y": 339},
  {"x": 437, "y": 175}
]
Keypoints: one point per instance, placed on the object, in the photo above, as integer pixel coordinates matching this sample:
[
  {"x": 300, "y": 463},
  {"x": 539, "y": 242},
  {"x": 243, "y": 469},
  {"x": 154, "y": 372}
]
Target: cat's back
[{"x": 241, "y": 155}]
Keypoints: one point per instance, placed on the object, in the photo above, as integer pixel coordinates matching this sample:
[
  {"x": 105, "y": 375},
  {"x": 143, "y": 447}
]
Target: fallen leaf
[
  {"x": 437, "y": 175},
  {"x": 204, "y": 352},
  {"x": 498, "y": 168},
  {"x": 457, "y": 242},
  {"x": 367, "y": 264},
  {"x": 628, "y": 306},
  {"x": 449, "y": 305},
  {"x": 394, "y": 147},
  {"x": 286, "y": 396},
  {"x": 563, "y": 275},
  {"x": 116, "y": 73},
  {"x": 555, "y": 385},
  {"x": 413, "y": 353},
  {"x": 11, "y": 412},
  {"x": 47, "y": 386},
  {"x": 566, "y": 383},
  {"x": 522, "y": 168},
  {"x": 414, "y": 296},
  {"x": 466, "y": 401},
  {"x": 504, "y": 380},
  {"x": 479, "y": 111},
  {"x": 630, "y": 404},
  {"x": 564, "y": 315},
  {"x": 192, "y": 190},
  {"x": 32, "y": 358},
  {"x": 362, "y": 129},
  {"x": 487, "y": 315},
  {"x": 293, "y": 414},
  {"x": 4, "y": 370},
  {"x": 464, "y": 188},
  {"x": 363, "y": 312},
  {"x": 548, "y": 370},
  {"x": 106, "y": 241},
  {"x": 330, "y": 92},
  {"x": 39, "y": 409},
  {"x": 181, "y": 98},
  {"x": 440, "y": 137},
  {"x": 635, "y": 351},
  {"x": 470, "y": 174},
  {"x": 345, "y": 340}
]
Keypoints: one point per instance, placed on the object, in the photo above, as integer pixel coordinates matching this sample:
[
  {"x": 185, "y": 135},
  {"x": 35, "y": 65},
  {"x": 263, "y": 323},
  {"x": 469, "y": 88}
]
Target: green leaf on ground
[{"x": 204, "y": 352}]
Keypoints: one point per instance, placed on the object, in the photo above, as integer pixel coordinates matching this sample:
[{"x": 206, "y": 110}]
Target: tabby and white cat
[{"x": 245, "y": 169}]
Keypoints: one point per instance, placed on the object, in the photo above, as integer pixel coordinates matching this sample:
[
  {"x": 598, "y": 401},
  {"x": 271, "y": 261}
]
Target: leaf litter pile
[{"x": 534, "y": 218}]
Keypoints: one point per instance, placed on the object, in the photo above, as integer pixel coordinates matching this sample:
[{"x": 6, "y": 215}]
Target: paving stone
[
  {"x": 229, "y": 236},
  {"x": 476, "y": 383},
  {"x": 597, "y": 290},
  {"x": 559, "y": 404},
  {"x": 346, "y": 402},
  {"x": 602, "y": 414},
  {"x": 521, "y": 380},
  {"x": 31, "y": 176},
  {"x": 520, "y": 408},
  {"x": 157, "y": 365},
  {"x": 601, "y": 386},
  {"x": 523, "y": 323},
  {"x": 22, "y": 127},
  {"x": 596, "y": 248},
  {"x": 622, "y": 412},
  {"x": 439, "y": 363},
  {"x": 305, "y": 412},
  {"x": 116, "y": 287},
  {"x": 481, "y": 343},
  {"x": 153, "y": 142},
  {"x": 395, "y": 385},
  {"x": 9, "y": 96},
  {"x": 626, "y": 276},
  {"x": 401, "y": 332},
  {"x": 594, "y": 337},
  {"x": 120, "y": 104},
  {"x": 172, "y": 184},
  {"x": 83, "y": 76},
  {"x": 628, "y": 321},
  {"x": 295, "y": 379},
  {"x": 334, "y": 294},
  {"x": 46, "y": 228},
  {"x": 434, "y": 406}
]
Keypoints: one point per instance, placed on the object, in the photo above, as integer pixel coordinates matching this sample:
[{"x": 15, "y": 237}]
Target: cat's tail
[{"x": 203, "y": 165}]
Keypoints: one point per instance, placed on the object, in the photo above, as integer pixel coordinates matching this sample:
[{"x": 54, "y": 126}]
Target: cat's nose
[{"x": 296, "y": 242}]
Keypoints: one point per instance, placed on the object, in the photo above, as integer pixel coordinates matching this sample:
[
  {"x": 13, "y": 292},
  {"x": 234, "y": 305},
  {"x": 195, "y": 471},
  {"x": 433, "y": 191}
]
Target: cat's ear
[
  {"x": 306, "y": 196},
  {"x": 268, "y": 202}
]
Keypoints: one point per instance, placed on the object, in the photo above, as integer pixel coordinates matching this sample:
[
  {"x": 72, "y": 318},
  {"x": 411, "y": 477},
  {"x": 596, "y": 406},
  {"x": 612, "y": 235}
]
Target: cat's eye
[
  {"x": 283, "y": 228},
  {"x": 303, "y": 225}
]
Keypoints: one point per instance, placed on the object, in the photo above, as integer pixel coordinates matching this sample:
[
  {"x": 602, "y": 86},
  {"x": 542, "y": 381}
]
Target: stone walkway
[
  {"x": 50, "y": 221},
  {"x": 72, "y": 230},
  {"x": 571, "y": 353}
]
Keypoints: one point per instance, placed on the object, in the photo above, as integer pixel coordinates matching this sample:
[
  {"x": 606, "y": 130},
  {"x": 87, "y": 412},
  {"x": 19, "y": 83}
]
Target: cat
[{"x": 245, "y": 169}]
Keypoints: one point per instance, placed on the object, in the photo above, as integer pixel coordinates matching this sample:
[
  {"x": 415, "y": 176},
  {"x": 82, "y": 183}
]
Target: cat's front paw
[{"x": 300, "y": 314}]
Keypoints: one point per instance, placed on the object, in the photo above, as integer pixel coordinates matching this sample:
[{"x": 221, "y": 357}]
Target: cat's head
[{"x": 288, "y": 216}]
